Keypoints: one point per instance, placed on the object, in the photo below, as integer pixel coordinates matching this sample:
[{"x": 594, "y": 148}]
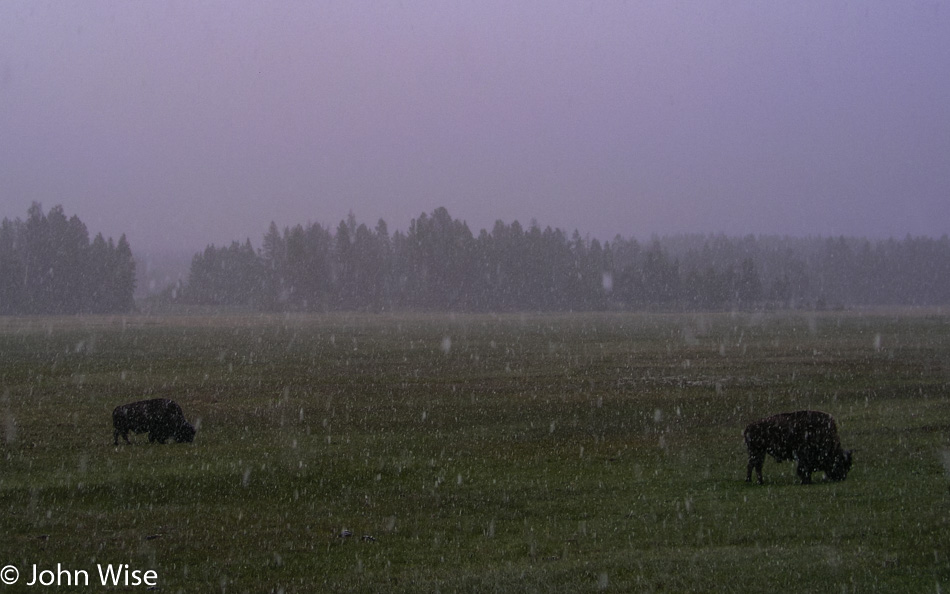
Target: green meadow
[{"x": 481, "y": 453}]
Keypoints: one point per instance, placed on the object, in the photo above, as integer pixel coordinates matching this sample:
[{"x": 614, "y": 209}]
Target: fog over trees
[
  {"x": 440, "y": 264},
  {"x": 49, "y": 266}
]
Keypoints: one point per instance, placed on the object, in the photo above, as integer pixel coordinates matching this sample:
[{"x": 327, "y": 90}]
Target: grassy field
[{"x": 549, "y": 453}]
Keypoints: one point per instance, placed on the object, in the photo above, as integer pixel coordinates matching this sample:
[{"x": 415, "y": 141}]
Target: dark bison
[
  {"x": 160, "y": 417},
  {"x": 809, "y": 437}
]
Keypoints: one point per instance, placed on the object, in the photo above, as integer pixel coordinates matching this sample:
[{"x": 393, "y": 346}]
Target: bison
[
  {"x": 160, "y": 417},
  {"x": 809, "y": 437}
]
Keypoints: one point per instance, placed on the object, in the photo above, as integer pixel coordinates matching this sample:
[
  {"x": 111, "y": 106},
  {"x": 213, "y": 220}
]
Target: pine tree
[{"x": 123, "y": 271}]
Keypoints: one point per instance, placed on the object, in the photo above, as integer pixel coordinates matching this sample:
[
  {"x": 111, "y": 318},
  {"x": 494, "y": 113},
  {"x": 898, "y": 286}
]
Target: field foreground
[{"x": 545, "y": 453}]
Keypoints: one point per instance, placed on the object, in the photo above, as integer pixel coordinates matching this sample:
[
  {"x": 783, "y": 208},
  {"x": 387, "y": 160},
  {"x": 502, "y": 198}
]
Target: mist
[{"x": 182, "y": 125}]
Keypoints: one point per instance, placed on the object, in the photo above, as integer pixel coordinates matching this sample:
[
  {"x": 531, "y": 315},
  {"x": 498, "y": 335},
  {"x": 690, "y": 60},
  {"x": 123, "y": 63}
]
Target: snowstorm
[{"x": 475, "y": 296}]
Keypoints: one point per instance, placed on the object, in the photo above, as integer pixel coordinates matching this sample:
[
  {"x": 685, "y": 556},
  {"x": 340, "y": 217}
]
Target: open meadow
[{"x": 549, "y": 453}]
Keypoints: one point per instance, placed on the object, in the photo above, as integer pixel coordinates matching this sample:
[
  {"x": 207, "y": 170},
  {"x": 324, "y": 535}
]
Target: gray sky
[{"x": 186, "y": 123}]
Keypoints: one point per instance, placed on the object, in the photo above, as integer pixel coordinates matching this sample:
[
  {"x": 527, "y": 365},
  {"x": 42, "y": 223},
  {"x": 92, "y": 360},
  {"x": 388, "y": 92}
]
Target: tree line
[
  {"x": 49, "y": 266},
  {"x": 440, "y": 264}
]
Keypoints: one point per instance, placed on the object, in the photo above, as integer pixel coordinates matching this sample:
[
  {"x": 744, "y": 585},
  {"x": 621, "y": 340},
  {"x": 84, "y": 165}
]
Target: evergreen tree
[
  {"x": 123, "y": 277},
  {"x": 748, "y": 286},
  {"x": 273, "y": 269},
  {"x": 12, "y": 269},
  {"x": 48, "y": 266},
  {"x": 439, "y": 264},
  {"x": 99, "y": 276}
]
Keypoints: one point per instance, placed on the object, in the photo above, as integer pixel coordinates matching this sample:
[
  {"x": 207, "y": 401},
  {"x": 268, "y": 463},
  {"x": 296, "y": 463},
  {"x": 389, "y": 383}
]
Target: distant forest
[
  {"x": 439, "y": 264},
  {"x": 49, "y": 266}
]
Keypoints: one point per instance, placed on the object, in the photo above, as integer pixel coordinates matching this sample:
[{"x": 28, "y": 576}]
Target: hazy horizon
[{"x": 183, "y": 125}]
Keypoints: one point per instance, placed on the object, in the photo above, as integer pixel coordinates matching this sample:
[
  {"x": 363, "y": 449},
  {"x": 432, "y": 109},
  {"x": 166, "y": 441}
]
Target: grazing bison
[
  {"x": 160, "y": 417},
  {"x": 809, "y": 437}
]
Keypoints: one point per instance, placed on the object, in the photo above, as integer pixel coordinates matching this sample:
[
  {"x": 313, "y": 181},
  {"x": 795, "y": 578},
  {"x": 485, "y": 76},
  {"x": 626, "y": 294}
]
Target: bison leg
[
  {"x": 807, "y": 461},
  {"x": 804, "y": 473},
  {"x": 755, "y": 461}
]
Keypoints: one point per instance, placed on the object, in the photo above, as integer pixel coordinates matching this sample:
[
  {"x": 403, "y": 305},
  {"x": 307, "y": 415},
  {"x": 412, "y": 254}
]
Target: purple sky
[{"x": 184, "y": 123}]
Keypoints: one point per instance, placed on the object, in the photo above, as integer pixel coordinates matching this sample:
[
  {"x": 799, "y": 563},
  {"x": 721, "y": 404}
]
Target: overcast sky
[{"x": 187, "y": 123}]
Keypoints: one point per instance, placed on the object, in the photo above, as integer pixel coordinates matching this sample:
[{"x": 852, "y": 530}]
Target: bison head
[
  {"x": 185, "y": 432},
  {"x": 841, "y": 466}
]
